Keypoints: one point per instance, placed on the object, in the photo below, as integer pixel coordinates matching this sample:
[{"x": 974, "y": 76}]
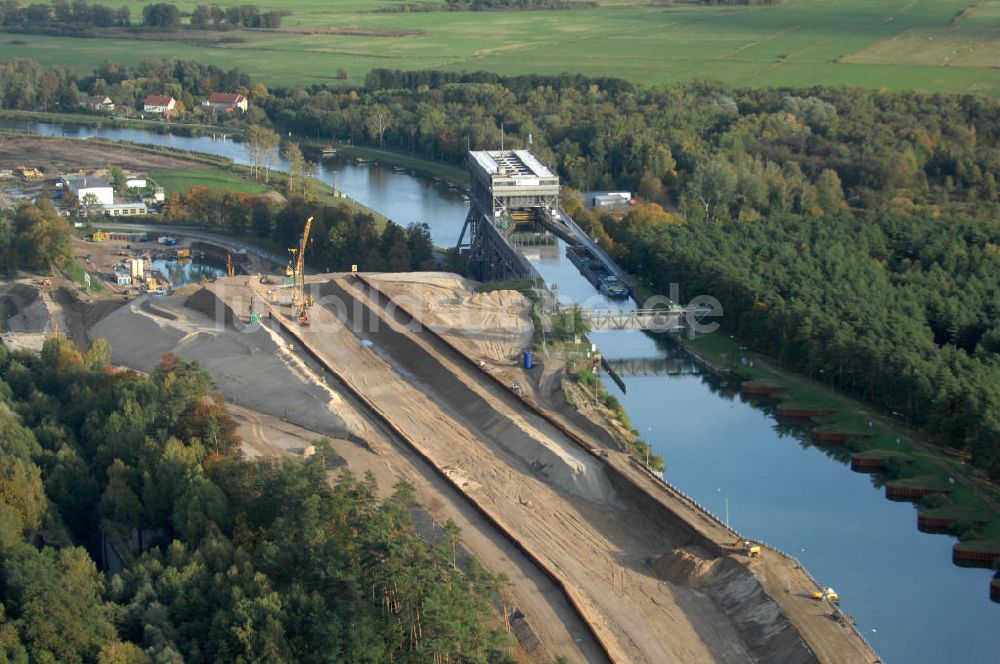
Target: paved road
[{"x": 188, "y": 231}]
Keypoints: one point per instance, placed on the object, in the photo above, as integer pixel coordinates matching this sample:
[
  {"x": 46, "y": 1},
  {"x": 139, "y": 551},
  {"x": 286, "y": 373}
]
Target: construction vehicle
[
  {"x": 30, "y": 172},
  {"x": 828, "y": 594},
  {"x": 253, "y": 315},
  {"x": 183, "y": 253},
  {"x": 752, "y": 549},
  {"x": 300, "y": 302}
]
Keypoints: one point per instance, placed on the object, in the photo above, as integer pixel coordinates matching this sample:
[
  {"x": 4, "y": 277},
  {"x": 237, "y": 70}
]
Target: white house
[
  {"x": 83, "y": 186},
  {"x": 160, "y": 104}
]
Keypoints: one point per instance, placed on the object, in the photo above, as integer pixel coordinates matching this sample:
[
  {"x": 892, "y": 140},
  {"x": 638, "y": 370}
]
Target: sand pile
[
  {"x": 207, "y": 304},
  {"x": 686, "y": 566},
  {"x": 251, "y": 366},
  {"x": 756, "y": 617},
  {"x": 494, "y": 325},
  {"x": 23, "y": 309},
  {"x": 521, "y": 435}
]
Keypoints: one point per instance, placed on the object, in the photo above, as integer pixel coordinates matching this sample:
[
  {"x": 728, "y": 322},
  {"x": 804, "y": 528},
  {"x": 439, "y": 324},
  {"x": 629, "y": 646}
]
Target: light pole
[{"x": 726, "y": 496}]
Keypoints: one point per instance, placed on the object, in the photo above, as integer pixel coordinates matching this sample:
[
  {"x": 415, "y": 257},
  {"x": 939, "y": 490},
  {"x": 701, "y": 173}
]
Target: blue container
[{"x": 527, "y": 359}]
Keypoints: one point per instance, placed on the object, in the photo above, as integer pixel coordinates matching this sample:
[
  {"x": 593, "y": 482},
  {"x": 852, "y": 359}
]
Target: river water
[{"x": 899, "y": 584}]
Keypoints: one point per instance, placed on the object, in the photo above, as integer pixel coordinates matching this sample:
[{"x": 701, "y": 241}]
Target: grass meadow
[
  {"x": 931, "y": 45},
  {"x": 181, "y": 180}
]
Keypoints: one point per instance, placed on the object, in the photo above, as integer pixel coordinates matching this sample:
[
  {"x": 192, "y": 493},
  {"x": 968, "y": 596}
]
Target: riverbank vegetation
[
  {"x": 342, "y": 233},
  {"x": 592, "y": 392},
  {"x": 211, "y": 557}
]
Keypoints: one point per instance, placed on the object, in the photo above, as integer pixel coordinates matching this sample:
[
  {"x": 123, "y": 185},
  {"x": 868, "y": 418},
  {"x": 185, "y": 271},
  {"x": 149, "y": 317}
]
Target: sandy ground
[
  {"x": 494, "y": 326},
  {"x": 283, "y": 401},
  {"x": 636, "y": 573},
  {"x": 777, "y": 585},
  {"x": 55, "y": 156}
]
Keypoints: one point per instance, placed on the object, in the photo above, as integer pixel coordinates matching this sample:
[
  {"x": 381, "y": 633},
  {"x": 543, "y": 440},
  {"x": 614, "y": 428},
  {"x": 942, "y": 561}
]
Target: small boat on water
[
  {"x": 614, "y": 288},
  {"x": 362, "y": 160}
]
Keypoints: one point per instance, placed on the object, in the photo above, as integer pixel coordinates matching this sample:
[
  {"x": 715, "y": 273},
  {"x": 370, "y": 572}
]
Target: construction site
[
  {"x": 419, "y": 377},
  {"x": 422, "y": 377}
]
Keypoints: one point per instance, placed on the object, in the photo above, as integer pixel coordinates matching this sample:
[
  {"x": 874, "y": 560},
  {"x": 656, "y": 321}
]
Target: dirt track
[{"x": 55, "y": 156}]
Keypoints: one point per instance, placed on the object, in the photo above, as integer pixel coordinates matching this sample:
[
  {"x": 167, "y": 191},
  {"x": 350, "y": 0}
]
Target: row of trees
[
  {"x": 237, "y": 16},
  {"x": 39, "y": 16},
  {"x": 267, "y": 561},
  {"x": 495, "y": 5},
  {"x": 61, "y": 17}
]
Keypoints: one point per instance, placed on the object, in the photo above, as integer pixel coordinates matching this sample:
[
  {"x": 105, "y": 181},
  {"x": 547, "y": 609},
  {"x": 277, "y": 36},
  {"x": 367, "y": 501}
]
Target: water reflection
[{"x": 187, "y": 271}]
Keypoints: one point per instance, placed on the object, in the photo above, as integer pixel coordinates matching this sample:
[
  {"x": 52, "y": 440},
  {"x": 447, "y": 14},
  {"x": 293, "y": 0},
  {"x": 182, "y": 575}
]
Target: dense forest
[{"x": 252, "y": 561}]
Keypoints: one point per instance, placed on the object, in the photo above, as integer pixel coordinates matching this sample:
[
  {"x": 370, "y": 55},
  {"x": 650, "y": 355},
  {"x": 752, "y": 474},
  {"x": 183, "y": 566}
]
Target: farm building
[
  {"x": 160, "y": 104},
  {"x": 226, "y": 102},
  {"x": 83, "y": 186}
]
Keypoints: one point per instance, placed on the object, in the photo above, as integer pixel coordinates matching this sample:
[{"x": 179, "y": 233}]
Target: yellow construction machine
[
  {"x": 300, "y": 301},
  {"x": 829, "y": 594},
  {"x": 752, "y": 549}
]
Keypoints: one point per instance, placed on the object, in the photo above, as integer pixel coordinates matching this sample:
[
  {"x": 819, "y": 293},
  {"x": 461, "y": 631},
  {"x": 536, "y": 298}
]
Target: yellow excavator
[
  {"x": 829, "y": 594},
  {"x": 300, "y": 301}
]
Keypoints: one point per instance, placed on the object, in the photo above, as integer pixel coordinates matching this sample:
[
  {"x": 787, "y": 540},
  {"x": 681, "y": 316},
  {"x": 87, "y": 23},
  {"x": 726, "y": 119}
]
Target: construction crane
[{"x": 300, "y": 302}]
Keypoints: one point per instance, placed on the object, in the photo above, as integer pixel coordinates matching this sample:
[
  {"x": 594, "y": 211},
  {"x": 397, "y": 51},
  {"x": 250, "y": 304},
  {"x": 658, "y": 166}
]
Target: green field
[
  {"x": 946, "y": 45},
  {"x": 181, "y": 180}
]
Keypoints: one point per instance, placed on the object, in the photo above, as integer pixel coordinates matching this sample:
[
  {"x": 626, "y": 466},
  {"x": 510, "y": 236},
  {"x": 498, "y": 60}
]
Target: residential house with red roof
[
  {"x": 226, "y": 102},
  {"x": 160, "y": 104}
]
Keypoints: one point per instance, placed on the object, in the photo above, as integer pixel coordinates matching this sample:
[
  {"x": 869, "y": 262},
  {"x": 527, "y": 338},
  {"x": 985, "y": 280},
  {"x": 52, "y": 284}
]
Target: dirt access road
[{"x": 559, "y": 502}]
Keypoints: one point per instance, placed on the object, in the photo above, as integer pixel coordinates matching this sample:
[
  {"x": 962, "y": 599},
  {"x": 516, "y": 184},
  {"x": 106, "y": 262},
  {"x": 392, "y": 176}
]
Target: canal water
[
  {"x": 180, "y": 272},
  {"x": 734, "y": 458}
]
